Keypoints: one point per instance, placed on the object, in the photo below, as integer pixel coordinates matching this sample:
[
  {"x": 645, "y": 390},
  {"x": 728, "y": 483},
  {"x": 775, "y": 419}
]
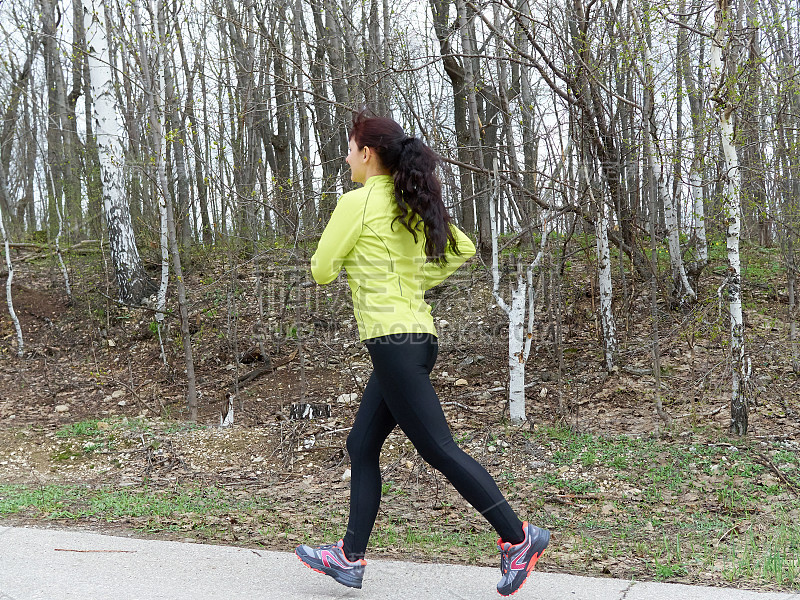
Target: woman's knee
[
  {"x": 439, "y": 454},
  {"x": 361, "y": 446},
  {"x": 354, "y": 443}
]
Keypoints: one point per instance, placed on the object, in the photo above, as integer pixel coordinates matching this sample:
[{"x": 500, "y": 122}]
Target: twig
[
  {"x": 769, "y": 464},
  {"x": 464, "y": 406},
  {"x": 255, "y": 373},
  {"x": 727, "y": 533}
]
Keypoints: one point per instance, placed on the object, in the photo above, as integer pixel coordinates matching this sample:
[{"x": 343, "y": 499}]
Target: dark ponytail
[{"x": 417, "y": 189}]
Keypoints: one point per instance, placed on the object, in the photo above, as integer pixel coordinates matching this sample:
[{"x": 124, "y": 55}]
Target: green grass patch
[
  {"x": 112, "y": 504},
  {"x": 670, "y": 510}
]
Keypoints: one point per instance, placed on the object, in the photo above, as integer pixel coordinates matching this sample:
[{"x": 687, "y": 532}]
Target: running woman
[{"x": 394, "y": 238}]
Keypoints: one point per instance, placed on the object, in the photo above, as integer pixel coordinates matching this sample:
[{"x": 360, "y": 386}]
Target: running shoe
[
  {"x": 330, "y": 560},
  {"x": 516, "y": 561}
]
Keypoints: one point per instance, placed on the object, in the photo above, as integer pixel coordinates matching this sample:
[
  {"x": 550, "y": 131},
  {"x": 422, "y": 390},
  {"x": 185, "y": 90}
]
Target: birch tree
[
  {"x": 10, "y": 269},
  {"x": 158, "y": 139},
  {"x": 520, "y": 329},
  {"x": 694, "y": 91},
  {"x": 721, "y": 95},
  {"x": 658, "y": 170},
  {"x": 132, "y": 280},
  {"x": 604, "y": 283}
]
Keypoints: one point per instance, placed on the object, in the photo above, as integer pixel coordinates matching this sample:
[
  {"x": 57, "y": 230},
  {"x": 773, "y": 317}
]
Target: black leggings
[{"x": 399, "y": 392}]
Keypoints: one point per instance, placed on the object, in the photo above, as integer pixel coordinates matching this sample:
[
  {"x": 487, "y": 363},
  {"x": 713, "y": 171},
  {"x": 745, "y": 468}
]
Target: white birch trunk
[
  {"x": 731, "y": 207},
  {"x": 682, "y": 286},
  {"x": 516, "y": 342},
  {"x": 9, "y": 279},
  {"x": 58, "y": 239},
  {"x": 604, "y": 283},
  {"x": 157, "y": 136},
  {"x": 58, "y": 249},
  {"x": 604, "y": 279},
  {"x": 698, "y": 214},
  {"x": 130, "y": 276},
  {"x": 522, "y": 300},
  {"x": 161, "y": 298},
  {"x": 655, "y": 161}
]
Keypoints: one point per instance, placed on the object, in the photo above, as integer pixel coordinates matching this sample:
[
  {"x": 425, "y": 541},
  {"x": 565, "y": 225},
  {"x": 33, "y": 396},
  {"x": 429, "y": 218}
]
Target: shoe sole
[
  {"x": 540, "y": 548},
  {"x": 330, "y": 573}
]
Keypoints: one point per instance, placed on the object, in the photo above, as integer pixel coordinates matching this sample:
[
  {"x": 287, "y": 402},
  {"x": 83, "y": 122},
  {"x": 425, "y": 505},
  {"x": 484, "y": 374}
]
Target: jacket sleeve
[
  {"x": 433, "y": 274},
  {"x": 338, "y": 238}
]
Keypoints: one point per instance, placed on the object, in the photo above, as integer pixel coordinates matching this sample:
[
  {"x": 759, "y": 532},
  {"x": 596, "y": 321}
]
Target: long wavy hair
[{"x": 417, "y": 189}]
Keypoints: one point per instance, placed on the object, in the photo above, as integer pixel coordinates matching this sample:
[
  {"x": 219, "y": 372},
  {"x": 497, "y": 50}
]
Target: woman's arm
[
  {"x": 338, "y": 239},
  {"x": 433, "y": 274}
]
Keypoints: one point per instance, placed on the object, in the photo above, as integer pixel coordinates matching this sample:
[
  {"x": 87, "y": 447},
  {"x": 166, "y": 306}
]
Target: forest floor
[{"x": 94, "y": 430}]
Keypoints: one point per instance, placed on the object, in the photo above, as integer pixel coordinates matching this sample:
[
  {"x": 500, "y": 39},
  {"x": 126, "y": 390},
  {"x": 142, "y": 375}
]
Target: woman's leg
[
  {"x": 403, "y": 363},
  {"x": 372, "y": 425}
]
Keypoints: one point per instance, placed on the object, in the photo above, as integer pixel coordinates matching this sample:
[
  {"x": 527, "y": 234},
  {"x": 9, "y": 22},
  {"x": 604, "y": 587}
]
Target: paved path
[{"x": 45, "y": 564}]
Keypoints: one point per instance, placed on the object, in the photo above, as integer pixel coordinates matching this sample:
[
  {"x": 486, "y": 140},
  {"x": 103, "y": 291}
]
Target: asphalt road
[{"x": 47, "y": 564}]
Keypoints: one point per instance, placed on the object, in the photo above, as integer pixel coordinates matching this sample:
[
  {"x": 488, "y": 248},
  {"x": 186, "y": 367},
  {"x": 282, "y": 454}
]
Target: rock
[
  {"x": 443, "y": 323},
  {"x": 346, "y": 475},
  {"x": 62, "y": 408},
  {"x": 122, "y": 403},
  {"x": 117, "y": 394},
  {"x": 461, "y": 382},
  {"x": 345, "y": 398}
]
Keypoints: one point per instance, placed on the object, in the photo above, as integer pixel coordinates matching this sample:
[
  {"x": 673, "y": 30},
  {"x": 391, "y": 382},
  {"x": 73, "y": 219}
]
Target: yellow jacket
[{"x": 387, "y": 271}]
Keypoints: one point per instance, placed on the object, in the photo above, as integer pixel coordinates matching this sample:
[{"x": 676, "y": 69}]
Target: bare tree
[
  {"x": 158, "y": 139},
  {"x": 724, "y": 75},
  {"x": 132, "y": 280}
]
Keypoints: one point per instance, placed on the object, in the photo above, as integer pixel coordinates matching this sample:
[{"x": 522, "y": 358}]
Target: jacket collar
[{"x": 378, "y": 179}]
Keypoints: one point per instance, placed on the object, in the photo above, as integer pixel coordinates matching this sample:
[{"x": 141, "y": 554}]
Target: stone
[
  {"x": 117, "y": 394},
  {"x": 461, "y": 382},
  {"x": 62, "y": 408}
]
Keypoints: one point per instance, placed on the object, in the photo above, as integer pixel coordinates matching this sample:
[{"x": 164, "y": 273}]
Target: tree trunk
[
  {"x": 721, "y": 95},
  {"x": 307, "y": 197},
  {"x": 658, "y": 172},
  {"x": 157, "y": 136},
  {"x": 694, "y": 93},
  {"x": 199, "y": 154},
  {"x": 754, "y": 190},
  {"x": 131, "y": 278},
  {"x": 179, "y": 138},
  {"x": 19, "y": 83},
  {"x": 281, "y": 139},
  {"x": 474, "y": 140},
  {"x": 327, "y": 133},
  {"x": 604, "y": 278},
  {"x": 10, "y": 275},
  {"x": 520, "y": 330},
  {"x": 440, "y": 10}
]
